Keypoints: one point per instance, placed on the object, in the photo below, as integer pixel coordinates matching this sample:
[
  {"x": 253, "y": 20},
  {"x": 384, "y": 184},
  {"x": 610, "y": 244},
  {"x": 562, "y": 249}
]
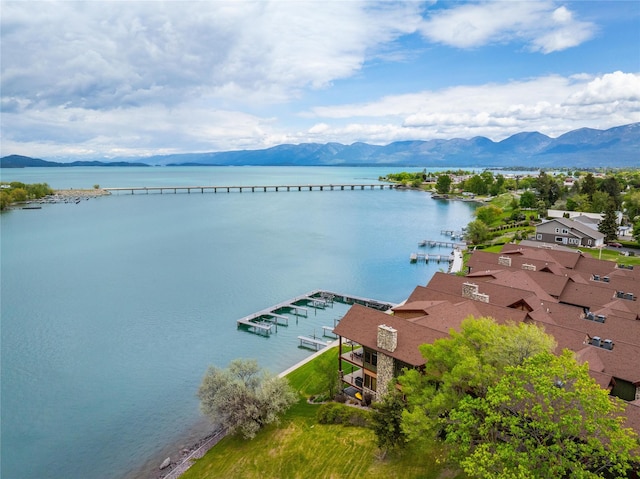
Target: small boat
[{"x": 422, "y": 243}]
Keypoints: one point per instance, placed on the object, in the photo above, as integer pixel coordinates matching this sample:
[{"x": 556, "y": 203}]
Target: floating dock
[
  {"x": 426, "y": 257},
  {"x": 306, "y": 341},
  {"x": 267, "y": 320},
  {"x": 443, "y": 244}
]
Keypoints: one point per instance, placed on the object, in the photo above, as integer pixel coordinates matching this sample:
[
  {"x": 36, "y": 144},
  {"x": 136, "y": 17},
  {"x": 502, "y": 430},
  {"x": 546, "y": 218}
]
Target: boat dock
[
  {"x": 446, "y": 244},
  {"x": 307, "y": 341},
  {"x": 248, "y": 188},
  {"x": 267, "y": 320},
  {"x": 426, "y": 257}
]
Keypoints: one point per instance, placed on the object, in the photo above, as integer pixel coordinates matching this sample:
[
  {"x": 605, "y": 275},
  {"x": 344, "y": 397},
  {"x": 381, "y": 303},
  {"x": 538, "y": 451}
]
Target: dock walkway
[{"x": 266, "y": 321}]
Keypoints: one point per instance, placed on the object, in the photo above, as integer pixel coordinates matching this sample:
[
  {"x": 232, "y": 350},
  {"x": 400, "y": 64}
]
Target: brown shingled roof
[{"x": 360, "y": 324}]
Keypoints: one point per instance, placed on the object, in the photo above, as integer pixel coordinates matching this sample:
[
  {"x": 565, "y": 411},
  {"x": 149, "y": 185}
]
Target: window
[
  {"x": 565, "y": 231},
  {"x": 370, "y": 359},
  {"x": 557, "y": 230},
  {"x": 559, "y": 239},
  {"x": 539, "y": 236},
  {"x": 370, "y": 382},
  {"x": 589, "y": 242}
]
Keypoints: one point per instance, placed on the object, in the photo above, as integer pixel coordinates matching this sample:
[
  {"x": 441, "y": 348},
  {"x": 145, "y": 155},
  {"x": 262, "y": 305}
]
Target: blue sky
[{"x": 126, "y": 79}]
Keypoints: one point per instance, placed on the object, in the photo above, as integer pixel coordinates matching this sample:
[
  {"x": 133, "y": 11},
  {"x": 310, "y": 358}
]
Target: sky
[{"x": 127, "y": 79}]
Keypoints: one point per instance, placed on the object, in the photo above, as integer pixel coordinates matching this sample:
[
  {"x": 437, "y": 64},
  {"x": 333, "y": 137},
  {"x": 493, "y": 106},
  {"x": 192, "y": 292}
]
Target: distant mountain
[
  {"x": 19, "y": 161},
  {"x": 585, "y": 147}
]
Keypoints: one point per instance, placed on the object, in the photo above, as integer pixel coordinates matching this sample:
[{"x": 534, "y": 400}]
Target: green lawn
[{"x": 299, "y": 447}]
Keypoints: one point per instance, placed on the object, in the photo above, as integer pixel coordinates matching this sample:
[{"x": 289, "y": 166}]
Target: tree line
[{"x": 17, "y": 192}]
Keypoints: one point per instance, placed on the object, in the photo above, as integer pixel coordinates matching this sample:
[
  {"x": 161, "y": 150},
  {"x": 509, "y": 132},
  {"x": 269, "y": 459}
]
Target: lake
[{"x": 113, "y": 308}]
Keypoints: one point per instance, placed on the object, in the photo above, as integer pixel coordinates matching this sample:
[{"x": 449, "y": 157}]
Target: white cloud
[
  {"x": 550, "y": 104},
  {"x": 106, "y": 54},
  {"x": 539, "y": 24}
]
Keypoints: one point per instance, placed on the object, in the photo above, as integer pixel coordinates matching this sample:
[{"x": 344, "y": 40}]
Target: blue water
[{"x": 113, "y": 308}]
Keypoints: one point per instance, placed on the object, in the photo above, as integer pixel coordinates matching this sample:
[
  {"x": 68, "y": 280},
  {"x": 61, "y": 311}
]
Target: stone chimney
[
  {"x": 469, "y": 290},
  {"x": 387, "y": 338},
  {"x": 504, "y": 260}
]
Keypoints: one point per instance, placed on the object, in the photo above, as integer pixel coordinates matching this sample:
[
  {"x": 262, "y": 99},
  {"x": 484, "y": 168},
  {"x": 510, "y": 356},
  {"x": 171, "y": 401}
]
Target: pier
[
  {"x": 445, "y": 244},
  {"x": 266, "y": 321},
  {"x": 247, "y": 188},
  {"x": 426, "y": 257}
]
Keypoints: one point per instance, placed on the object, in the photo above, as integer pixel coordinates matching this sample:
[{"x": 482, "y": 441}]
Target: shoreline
[{"x": 198, "y": 447}]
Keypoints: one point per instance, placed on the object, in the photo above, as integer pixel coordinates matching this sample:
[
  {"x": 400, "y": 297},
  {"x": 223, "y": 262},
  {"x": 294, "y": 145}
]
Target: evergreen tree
[{"x": 609, "y": 224}]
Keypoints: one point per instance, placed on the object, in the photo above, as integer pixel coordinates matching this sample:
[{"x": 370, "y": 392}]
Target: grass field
[{"x": 299, "y": 447}]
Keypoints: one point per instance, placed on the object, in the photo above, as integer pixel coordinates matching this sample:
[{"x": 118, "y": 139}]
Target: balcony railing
[
  {"x": 353, "y": 357},
  {"x": 354, "y": 379}
]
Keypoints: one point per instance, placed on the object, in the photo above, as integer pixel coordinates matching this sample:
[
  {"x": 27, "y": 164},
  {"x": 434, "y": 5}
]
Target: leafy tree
[
  {"x": 497, "y": 187},
  {"x": 632, "y": 205},
  {"x": 526, "y": 183},
  {"x": 528, "y": 199},
  {"x": 243, "y": 397},
  {"x": 636, "y": 231},
  {"x": 611, "y": 186},
  {"x": 476, "y": 185},
  {"x": 327, "y": 375},
  {"x": 443, "y": 184},
  {"x": 544, "y": 418},
  {"x": 465, "y": 363},
  {"x": 386, "y": 421},
  {"x": 588, "y": 185},
  {"x": 488, "y": 214},
  {"x": 609, "y": 224},
  {"x": 548, "y": 189},
  {"x": 477, "y": 232},
  {"x": 599, "y": 201},
  {"x": 579, "y": 203},
  {"x": 18, "y": 194}
]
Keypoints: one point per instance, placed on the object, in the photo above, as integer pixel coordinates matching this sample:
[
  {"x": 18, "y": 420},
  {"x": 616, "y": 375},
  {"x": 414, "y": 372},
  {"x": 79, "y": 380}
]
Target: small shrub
[{"x": 336, "y": 413}]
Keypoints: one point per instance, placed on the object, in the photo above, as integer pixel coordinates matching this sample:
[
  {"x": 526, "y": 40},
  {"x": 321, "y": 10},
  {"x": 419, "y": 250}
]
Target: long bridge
[{"x": 252, "y": 188}]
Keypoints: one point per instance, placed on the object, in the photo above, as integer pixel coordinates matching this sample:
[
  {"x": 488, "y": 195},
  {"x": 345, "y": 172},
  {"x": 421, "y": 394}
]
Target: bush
[{"x": 335, "y": 413}]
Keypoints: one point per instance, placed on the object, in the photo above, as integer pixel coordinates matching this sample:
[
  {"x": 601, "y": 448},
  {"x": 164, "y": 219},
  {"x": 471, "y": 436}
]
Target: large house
[
  {"x": 569, "y": 232},
  {"x": 590, "y": 307}
]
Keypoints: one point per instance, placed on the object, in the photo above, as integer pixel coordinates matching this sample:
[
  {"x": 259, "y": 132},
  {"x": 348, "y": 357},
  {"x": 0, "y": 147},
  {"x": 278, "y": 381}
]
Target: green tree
[
  {"x": 599, "y": 201},
  {"x": 609, "y": 224},
  {"x": 544, "y": 418},
  {"x": 636, "y": 231},
  {"x": 443, "y": 184},
  {"x": 548, "y": 189},
  {"x": 488, "y": 214},
  {"x": 588, "y": 185},
  {"x": 243, "y": 397},
  {"x": 579, "y": 203},
  {"x": 386, "y": 421},
  {"x": 611, "y": 186},
  {"x": 497, "y": 187},
  {"x": 465, "y": 363},
  {"x": 477, "y": 232},
  {"x": 527, "y": 199},
  {"x": 632, "y": 205},
  {"x": 327, "y": 375},
  {"x": 476, "y": 185}
]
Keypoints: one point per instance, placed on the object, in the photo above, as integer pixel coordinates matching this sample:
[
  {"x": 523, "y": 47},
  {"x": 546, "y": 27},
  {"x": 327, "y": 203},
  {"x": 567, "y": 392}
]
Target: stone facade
[
  {"x": 471, "y": 291},
  {"x": 504, "y": 260},
  {"x": 387, "y": 338},
  {"x": 385, "y": 374}
]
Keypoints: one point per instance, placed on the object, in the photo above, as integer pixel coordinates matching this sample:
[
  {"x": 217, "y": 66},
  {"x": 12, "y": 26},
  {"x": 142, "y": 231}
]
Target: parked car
[{"x": 614, "y": 245}]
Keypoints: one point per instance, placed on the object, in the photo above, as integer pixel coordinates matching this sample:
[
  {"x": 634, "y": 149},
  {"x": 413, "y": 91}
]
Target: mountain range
[{"x": 585, "y": 147}]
